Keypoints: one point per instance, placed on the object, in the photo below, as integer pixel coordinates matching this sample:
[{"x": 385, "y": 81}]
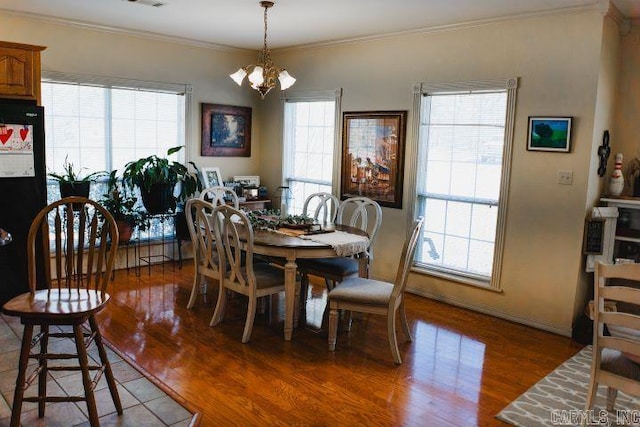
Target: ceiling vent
[{"x": 152, "y": 3}]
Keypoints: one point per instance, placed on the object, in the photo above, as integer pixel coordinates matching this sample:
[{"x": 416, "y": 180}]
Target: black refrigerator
[{"x": 23, "y": 188}]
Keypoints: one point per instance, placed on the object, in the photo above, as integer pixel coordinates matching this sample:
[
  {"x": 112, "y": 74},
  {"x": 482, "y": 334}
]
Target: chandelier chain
[{"x": 265, "y": 28}]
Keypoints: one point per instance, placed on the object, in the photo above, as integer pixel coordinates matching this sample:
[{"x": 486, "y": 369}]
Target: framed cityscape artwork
[{"x": 373, "y": 156}]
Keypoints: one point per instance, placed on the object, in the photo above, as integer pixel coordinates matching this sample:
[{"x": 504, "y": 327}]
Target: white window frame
[
  {"x": 334, "y": 95},
  {"x": 422, "y": 89}
]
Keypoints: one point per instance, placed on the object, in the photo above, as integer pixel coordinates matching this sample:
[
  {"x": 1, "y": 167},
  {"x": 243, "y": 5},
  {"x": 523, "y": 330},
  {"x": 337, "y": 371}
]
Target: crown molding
[
  {"x": 602, "y": 6},
  {"x": 611, "y": 11},
  {"x": 127, "y": 32},
  {"x": 447, "y": 27}
]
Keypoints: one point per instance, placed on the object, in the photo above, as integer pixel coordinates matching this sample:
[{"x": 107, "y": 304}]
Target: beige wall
[
  {"x": 604, "y": 119},
  {"x": 626, "y": 138},
  {"x": 85, "y": 51},
  {"x": 557, "y": 59}
]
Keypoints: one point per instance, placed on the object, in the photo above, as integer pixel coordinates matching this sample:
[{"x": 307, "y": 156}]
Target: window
[
  {"x": 100, "y": 124},
  {"x": 463, "y": 167},
  {"x": 309, "y": 144}
]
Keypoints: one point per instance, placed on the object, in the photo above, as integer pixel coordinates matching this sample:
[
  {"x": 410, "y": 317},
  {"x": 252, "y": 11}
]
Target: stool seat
[{"x": 53, "y": 304}]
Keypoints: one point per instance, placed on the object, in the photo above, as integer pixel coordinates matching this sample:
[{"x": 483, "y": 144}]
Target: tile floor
[{"x": 144, "y": 404}]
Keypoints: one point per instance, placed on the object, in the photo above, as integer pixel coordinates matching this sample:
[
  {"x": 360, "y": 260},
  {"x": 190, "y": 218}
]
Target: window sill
[{"x": 455, "y": 278}]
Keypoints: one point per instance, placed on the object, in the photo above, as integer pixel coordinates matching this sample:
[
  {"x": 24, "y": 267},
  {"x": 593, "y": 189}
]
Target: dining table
[{"x": 274, "y": 243}]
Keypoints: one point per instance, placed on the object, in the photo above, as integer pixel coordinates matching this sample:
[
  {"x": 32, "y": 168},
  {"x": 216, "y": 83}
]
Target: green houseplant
[
  {"x": 156, "y": 177},
  {"x": 71, "y": 181},
  {"x": 121, "y": 204}
]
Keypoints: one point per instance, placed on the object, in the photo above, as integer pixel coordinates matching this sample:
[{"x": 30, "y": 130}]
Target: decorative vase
[{"x": 616, "y": 181}]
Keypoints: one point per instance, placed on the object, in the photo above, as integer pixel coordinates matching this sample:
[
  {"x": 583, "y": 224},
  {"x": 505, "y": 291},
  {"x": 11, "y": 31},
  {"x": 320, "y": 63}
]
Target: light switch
[{"x": 565, "y": 177}]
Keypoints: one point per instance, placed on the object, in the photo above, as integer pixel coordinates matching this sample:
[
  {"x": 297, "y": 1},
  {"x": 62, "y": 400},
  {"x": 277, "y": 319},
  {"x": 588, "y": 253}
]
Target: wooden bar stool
[{"x": 80, "y": 232}]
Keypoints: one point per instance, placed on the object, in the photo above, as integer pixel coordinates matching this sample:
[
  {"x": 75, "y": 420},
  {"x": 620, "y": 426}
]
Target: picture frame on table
[
  {"x": 226, "y": 131},
  {"x": 250, "y": 180},
  {"x": 549, "y": 134},
  {"x": 373, "y": 144},
  {"x": 211, "y": 177}
]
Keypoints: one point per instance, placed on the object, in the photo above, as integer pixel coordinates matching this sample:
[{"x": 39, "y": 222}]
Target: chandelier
[{"x": 263, "y": 75}]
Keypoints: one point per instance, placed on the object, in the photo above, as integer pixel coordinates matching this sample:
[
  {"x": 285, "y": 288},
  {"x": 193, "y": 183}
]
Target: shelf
[
  {"x": 627, "y": 233},
  {"x": 628, "y": 239},
  {"x": 623, "y": 202}
]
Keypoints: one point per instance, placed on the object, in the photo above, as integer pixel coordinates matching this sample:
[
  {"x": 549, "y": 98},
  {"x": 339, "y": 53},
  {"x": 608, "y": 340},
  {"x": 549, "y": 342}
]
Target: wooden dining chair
[
  {"x": 205, "y": 255},
  {"x": 358, "y": 212},
  {"x": 322, "y": 207},
  {"x": 219, "y": 195},
  {"x": 616, "y": 357},
  {"x": 244, "y": 276},
  {"x": 82, "y": 238},
  {"x": 364, "y": 295}
]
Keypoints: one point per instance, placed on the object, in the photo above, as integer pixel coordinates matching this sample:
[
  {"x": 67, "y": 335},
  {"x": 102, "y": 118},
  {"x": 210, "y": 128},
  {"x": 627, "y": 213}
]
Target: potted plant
[
  {"x": 72, "y": 183},
  {"x": 121, "y": 205},
  {"x": 156, "y": 177}
]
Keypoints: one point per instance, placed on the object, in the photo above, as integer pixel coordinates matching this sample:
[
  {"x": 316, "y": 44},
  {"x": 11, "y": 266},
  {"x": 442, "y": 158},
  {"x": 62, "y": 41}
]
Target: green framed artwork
[{"x": 549, "y": 134}]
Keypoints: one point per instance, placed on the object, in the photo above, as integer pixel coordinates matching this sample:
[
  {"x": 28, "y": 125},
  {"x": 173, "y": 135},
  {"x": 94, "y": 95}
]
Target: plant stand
[{"x": 166, "y": 219}]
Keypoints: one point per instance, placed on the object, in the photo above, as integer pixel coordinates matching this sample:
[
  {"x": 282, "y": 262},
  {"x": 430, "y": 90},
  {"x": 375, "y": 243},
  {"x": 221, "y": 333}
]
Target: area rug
[
  {"x": 144, "y": 402},
  {"x": 558, "y": 400}
]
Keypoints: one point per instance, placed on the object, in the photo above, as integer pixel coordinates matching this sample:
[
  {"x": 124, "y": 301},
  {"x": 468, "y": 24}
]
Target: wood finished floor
[{"x": 461, "y": 369}]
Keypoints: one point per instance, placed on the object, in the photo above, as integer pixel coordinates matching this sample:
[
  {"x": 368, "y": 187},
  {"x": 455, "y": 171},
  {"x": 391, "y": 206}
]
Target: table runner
[{"x": 345, "y": 244}]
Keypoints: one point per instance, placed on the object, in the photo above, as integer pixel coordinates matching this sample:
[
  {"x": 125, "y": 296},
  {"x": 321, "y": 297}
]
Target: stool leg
[
  {"x": 105, "y": 361},
  {"x": 18, "y": 395},
  {"x": 86, "y": 379},
  {"x": 42, "y": 377}
]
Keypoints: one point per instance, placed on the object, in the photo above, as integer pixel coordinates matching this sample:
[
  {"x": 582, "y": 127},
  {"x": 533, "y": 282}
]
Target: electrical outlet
[{"x": 565, "y": 177}]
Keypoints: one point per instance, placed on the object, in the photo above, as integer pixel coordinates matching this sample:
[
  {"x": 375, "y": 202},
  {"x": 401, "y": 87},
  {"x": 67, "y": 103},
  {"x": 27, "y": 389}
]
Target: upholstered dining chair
[
  {"x": 615, "y": 360},
  {"x": 358, "y": 212},
  {"x": 254, "y": 280},
  {"x": 322, "y": 207},
  {"x": 82, "y": 237},
  {"x": 219, "y": 195},
  {"x": 376, "y": 297},
  {"x": 205, "y": 256}
]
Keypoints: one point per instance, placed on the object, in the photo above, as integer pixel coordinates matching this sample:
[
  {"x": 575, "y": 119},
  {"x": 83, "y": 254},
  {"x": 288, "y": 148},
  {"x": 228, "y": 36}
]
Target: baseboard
[{"x": 492, "y": 311}]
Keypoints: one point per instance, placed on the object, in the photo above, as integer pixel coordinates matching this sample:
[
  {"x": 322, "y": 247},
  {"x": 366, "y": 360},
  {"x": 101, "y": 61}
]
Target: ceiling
[{"x": 238, "y": 23}]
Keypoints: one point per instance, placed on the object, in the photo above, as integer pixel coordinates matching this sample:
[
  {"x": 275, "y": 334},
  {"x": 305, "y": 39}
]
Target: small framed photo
[
  {"x": 211, "y": 177},
  {"x": 549, "y": 134},
  {"x": 253, "y": 181},
  {"x": 226, "y": 131}
]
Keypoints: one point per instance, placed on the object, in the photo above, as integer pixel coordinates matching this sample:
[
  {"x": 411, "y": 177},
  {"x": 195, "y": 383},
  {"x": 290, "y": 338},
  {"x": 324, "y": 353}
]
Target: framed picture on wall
[
  {"x": 211, "y": 177},
  {"x": 226, "y": 131},
  {"x": 549, "y": 134},
  {"x": 373, "y": 156}
]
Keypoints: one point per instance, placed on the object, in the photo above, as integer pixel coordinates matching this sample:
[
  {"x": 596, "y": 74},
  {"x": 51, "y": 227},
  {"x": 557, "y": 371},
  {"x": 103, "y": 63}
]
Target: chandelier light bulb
[
  {"x": 238, "y": 76},
  {"x": 286, "y": 80},
  {"x": 257, "y": 76}
]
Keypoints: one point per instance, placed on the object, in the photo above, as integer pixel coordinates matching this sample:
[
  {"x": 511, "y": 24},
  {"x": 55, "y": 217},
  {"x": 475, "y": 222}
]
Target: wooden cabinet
[{"x": 20, "y": 71}]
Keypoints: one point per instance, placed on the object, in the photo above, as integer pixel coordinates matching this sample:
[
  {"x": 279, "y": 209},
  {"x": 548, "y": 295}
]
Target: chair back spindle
[
  {"x": 219, "y": 195},
  {"x": 406, "y": 259},
  {"x": 322, "y": 207},
  {"x": 363, "y": 213},
  {"x": 82, "y": 243}
]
